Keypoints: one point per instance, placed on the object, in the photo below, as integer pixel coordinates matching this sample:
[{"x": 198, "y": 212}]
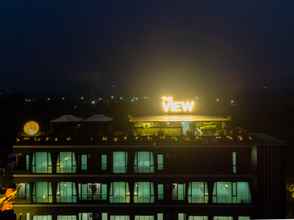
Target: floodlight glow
[
  {"x": 31, "y": 128},
  {"x": 169, "y": 105}
]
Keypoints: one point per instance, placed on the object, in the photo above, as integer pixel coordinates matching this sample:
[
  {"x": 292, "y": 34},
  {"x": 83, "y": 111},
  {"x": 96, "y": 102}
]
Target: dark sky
[{"x": 146, "y": 46}]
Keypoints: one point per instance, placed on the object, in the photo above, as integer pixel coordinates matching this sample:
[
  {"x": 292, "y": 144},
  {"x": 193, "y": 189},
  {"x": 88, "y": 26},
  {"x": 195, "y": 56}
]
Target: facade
[{"x": 179, "y": 167}]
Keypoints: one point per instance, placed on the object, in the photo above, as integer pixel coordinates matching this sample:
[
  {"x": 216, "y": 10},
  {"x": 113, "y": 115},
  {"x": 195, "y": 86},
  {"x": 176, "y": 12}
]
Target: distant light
[
  {"x": 112, "y": 97},
  {"x": 31, "y": 128},
  {"x": 62, "y": 98},
  {"x": 217, "y": 100},
  {"x": 48, "y": 99},
  {"x": 169, "y": 105},
  {"x": 82, "y": 98},
  {"x": 232, "y": 101},
  {"x": 93, "y": 102}
]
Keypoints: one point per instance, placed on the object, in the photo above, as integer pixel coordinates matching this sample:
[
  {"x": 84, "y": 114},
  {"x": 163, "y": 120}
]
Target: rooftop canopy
[
  {"x": 66, "y": 118},
  {"x": 178, "y": 118},
  {"x": 98, "y": 118}
]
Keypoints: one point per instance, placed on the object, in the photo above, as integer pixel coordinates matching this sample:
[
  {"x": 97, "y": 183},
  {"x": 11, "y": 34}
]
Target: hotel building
[{"x": 164, "y": 167}]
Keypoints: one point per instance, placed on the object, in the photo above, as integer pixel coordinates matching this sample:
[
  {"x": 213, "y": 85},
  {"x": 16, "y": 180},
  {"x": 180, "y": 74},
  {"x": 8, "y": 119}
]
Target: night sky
[{"x": 146, "y": 46}]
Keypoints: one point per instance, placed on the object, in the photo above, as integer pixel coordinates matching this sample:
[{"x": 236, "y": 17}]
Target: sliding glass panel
[
  {"x": 143, "y": 192},
  {"x": 41, "y": 162},
  {"x": 243, "y": 218},
  {"x": 231, "y": 192},
  {"x": 23, "y": 192},
  {"x": 144, "y": 217},
  {"x": 92, "y": 191},
  {"x": 66, "y": 162},
  {"x": 42, "y": 192},
  {"x": 66, "y": 192},
  {"x": 160, "y": 191},
  {"x": 84, "y": 162},
  {"x": 198, "y": 192},
  {"x": 120, "y": 162},
  {"x": 42, "y": 217},
  {"x": 144, "y": 162},
  {"x": 222, "y": 218},
  {"x": 119, "y": 192},
  {"x": 179, "y": 191},
  {"x": 160, "y": 162},
  {"x": 198, "y": 218},
  {"x": 86, "y": 216},
  {"x": 66, "y": 217},
  {"x": 103, "y": 162},
  {"x": 119, "y": 217}
]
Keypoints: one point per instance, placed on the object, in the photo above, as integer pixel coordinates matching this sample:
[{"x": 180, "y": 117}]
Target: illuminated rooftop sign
[{"x": 169, "y": 105}]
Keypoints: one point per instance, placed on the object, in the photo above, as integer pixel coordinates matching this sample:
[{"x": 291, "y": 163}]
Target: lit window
[
  {"x": 144, "y": 192},
  {"x": 231, "y": 192},
  {"x": 86, "y": 216},
  {"x": 24, "y": 192},
  {"x": 42, "y": 192},
  {"x": 42, "y": 217},
  {"x": 160, "y": 191},
  {"x": 92, "y": 191},
  {"x": 144, "y": 162},
  {"x": 159, "y": 216},
  {"x": 222, "y": 218},
  {"x": 181, "y": 216},
  {"x": 243, "y": 218},
  {"x": 119, "y": 192},
  {"x": 179, "y": 191},
  {"x": 119, "y": 217},
  {"x": 66, "y": 192},
  {"x": 41, "y": 162},
  {"x": 198, "y": 192},
  {"x": 84, "y": 162},
  {"x": 120, "y": 162},
  {"x": 103, "y": 161},
  {"x": 144, "y": 217},
  {"x": 66, "y": 217},
  {"x": 197, "y": 217},
  {"x": 66, "y": 162},
  {"x": 160, "y": 162},
  {"x": 104, "y": 216}
]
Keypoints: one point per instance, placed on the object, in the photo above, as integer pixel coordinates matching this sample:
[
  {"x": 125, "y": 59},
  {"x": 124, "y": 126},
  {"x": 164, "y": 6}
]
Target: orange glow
[
  {"x": 6, "y": 202},
  {"x": 31, "y": 128}
]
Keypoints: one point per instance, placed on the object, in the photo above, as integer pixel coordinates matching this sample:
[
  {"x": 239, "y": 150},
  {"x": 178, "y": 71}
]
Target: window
[
  {"x": 198, "y": 192},
  {"x": 143, "y": 192},
  {"x": 222, "y": 218},
  {"x": 66, "y": 217},
  {"x": 42, "y": 217},
  {"x": 92, "y": 191},
  {"x": 197, "y": 217},
  {"x": 24, "y": 192},
  {"x": 120, "y": 162},
  {"x": 144, "y": 217},
  {"x": 103, "y": 161},
  {"x": 144, "y": 162},
  {"x": 85, "y": 216},
  {"x": 119, "y": 192},
  {"x": 104, "y": 216},
  {"x": 66, "y": 192},
  {"x": 243, "y": 218},
  {"x": 41, "y": 162},
  {"x": 160, "y": 191},
  {"x": 84, "y": 162},
  {"x": 234, "y": 162},
  {"x": 160, "y": 162},
  {"x": 179, "y": 191},
  {"x": 119, "y": 217},
  {"x": 42, "y": 192},
  {"x": 159, "y": 216},
  {"x": 66, "y": 162},
  {"x": 27, "y": 162},
  {"x": 181, "y": 216},
  {"x": 231, "y": 192}
]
